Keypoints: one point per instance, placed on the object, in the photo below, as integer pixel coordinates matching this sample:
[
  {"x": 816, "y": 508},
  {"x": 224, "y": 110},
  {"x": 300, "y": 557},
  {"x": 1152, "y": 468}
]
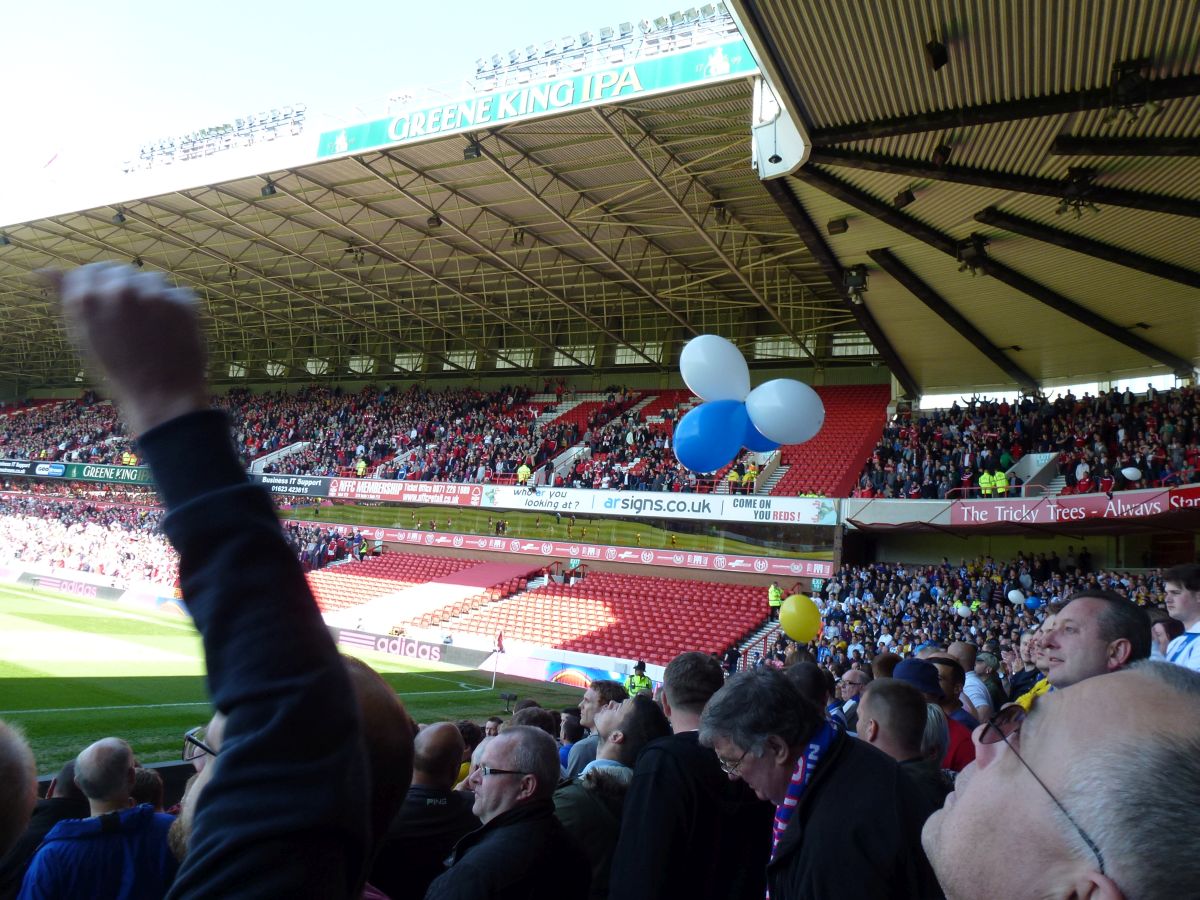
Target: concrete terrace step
[{"x": 775, "y": 478}]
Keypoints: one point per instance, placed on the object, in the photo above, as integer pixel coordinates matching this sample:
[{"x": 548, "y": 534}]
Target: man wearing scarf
[{"x": 847, "y": 823}]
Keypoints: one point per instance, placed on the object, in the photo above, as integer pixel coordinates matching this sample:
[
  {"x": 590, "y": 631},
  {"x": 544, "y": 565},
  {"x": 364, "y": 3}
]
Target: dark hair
[
  {"x": 643, "y": 721},
  {"x": 609, "y": 691},
  {"x": 147, "y": 788},
  {"x": 1121, "y": 618},
  {"x": 884, "y": 665},
  {"x": 809, "y": 679},
  {"x": 471, "y": 733},
  {"x": 690, "y": 679},
  {"x": 525, "y": 704},
  {"x": 1186, "y": 575},
  {"x": 1173, "y": 627},
  {"x": 572, "y": 730},
  {"x": 901, "y": 711},
  {"x": 535, "y": 717},
  {"x": 756, "y": 704},
  {"x": 64, "y": 783},
  {"x": 952, "y": 664}
]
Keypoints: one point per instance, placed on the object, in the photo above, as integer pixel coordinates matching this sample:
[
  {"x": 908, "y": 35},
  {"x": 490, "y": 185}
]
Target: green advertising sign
[
  {"x": 639, "y": 78},
  {"x": 77, "y": 471},
  {"x": 111, "y": 474}
]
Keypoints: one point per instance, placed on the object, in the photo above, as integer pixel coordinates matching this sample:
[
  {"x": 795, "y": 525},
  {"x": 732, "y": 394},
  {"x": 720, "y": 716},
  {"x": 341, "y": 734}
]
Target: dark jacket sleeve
[{"x": 285, "y": 813}]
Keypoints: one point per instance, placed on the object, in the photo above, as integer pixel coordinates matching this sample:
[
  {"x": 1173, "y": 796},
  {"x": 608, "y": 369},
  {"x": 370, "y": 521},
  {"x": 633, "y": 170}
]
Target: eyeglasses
[
  {"x": 488, "y": 770},
  {"x": 194, "y": 746},
  {"x": 1004, "y": 725},
  {"x": 732, "y": 768}
]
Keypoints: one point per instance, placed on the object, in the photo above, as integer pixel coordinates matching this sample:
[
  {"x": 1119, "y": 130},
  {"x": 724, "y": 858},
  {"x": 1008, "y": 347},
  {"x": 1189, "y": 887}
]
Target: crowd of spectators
[
  {"x": 895, "y": 608},
  {"x": 84, "y": 430},
  {"x": 911, "y": 660},
  {"x": 118, "y": 542},
  {"x": 940, "y": 454}
]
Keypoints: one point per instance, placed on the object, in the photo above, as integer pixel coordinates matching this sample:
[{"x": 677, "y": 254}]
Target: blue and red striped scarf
[{"x": 805, "y": 767}]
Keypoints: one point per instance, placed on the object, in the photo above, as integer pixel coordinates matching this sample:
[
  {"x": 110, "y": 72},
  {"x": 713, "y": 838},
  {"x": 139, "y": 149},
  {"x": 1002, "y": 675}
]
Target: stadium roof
[
  {"x": 596, "y": 235},
  {"x": 1023, "y": 115},
  {"x": 601, "y": 237}
]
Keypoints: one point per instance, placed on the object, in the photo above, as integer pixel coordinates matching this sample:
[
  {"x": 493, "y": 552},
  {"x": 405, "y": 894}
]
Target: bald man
[
  {"x": 119, "y": 851},
  {"x": 1092, "y": 804},
  {"x": 434, "y": 816}
]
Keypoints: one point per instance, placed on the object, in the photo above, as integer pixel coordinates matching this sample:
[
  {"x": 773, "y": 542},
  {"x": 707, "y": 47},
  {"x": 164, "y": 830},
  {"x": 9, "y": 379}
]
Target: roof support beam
[
  {"x": 496, "y": 260},
  {"x": 1004, "y": 111},
  {"x": 1088, "y": 246},
  {"x": 889, "y": 215},
  {"x": 799, "y": 219},
  {"x": 888, "y": 261},
  {"x": 1002, "y": 181},
  {"x": 369, "y": 290},
  {"x": 606, "y": 118},
  {"x": 278, "y": 283},
  {"x": 537, "y": 196},
  {"x": 200, "y": 287},
  {"x": 1066, "y": 145},
  {"x": 366, "y": 241}
]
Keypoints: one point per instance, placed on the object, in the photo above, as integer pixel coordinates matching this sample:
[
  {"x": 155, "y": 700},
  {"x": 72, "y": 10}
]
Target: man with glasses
[
  {"x": 847, "y": 822},
  {"x": 521, "y": 850},
  {"x": 851, "y": 685},
  {"x": 1093, "y": 792}
]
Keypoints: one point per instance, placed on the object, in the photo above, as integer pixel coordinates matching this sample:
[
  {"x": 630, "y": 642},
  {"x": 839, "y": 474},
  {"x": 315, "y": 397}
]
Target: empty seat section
[
  {"x": 829, "y": 464},
  {"x": 631, "y": 616}
]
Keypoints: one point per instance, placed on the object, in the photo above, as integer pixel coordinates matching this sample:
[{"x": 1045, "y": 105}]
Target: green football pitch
[{"x": 73, "y": 671}]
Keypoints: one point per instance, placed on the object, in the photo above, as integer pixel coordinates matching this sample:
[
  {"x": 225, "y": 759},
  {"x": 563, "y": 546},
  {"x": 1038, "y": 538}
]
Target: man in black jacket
[
  {"x": 521, "y": 851},
  {"x": 847, "y": 822},
  {"x": 432, "y": 820},
  {"x": 687, "y": 830}
]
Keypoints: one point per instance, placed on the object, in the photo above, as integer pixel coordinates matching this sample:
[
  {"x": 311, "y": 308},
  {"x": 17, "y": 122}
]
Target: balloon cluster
[{"x": 782, "y": 411}]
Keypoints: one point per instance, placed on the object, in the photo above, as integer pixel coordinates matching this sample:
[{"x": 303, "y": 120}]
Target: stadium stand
[{"x": 935, "y": 454}]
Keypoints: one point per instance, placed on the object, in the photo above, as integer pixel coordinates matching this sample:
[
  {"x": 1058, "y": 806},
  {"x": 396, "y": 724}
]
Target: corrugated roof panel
[{"x": 865, "y": 61}]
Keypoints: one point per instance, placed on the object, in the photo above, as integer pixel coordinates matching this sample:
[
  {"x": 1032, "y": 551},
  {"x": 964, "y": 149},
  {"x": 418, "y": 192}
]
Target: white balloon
[
  {"x": 963, "y": 610},
  {"x": 1015, "y": 596},
  {"x": 1132, "y": 473},
  {"x": 786, "y": 411},
  {"x": 714, "y": 369}
]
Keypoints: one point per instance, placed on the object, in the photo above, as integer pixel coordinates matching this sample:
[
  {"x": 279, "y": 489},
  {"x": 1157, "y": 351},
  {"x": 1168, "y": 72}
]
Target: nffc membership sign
[{"x": 640, "y": 78}]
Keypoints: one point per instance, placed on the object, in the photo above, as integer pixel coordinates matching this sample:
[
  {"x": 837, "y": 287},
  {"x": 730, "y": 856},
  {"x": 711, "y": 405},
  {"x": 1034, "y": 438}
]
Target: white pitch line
[
  {"x": 75, "y": 709},
  {"x": 464, "y": 689}
]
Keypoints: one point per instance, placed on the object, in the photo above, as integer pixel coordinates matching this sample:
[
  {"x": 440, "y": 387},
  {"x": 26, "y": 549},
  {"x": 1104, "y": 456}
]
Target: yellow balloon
[{"x": 800, "y": 618}]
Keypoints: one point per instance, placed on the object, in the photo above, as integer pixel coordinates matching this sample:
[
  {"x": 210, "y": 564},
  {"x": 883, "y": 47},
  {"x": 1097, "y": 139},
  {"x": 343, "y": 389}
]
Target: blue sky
[{"x": 93, "y": 81}]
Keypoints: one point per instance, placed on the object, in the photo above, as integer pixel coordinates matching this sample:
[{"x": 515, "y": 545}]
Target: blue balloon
[
  {"x": 755, "y": 440},
  {"x": 711, "y": 434},
  {"x": 1033, "y": 602}
]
